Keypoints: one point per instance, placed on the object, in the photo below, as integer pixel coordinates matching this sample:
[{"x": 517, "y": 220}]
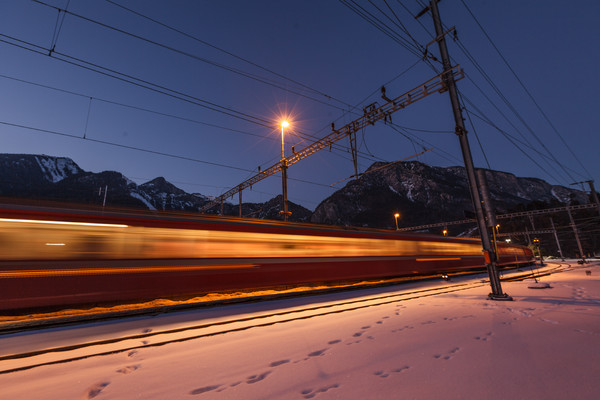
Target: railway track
[{"x": 21, "y": 357}]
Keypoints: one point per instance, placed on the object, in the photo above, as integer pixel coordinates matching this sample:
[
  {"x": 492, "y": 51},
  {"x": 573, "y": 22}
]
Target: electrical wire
[
  {"x": 148, "y": 151},
  {"x": 190, "y": 55},
  {"x": 497, "y": 90},
  {"x": 59, "y": 56},
  {"x": 120, "y": 104},
  {"x": 525, "y": 88},
  {"x": 224, "y": 51}
]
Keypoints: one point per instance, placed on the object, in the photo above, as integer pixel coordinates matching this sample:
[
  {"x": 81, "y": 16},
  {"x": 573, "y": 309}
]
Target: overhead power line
[
  {"x": 372, "y": 114},
  {"x": 494, "y": 87},
  {"x": 59, "y": 56},
  {"x": 190, "y": 55},
  {"x": 525, "y": 88},
  {"x": 155, "y": 152},
  {"x": 224, "y": 51},
  {"x": 138, "y": 108}
]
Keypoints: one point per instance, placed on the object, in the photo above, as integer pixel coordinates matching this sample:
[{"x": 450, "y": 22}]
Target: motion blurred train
[{"x": 52, "y": 258}]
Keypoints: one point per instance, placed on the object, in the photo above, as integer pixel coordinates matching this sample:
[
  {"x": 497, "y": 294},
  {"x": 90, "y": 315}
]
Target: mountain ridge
[{"x": 419, "y": 192}]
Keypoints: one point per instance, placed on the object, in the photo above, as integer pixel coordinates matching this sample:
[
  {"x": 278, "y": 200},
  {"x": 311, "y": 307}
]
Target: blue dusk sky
[{"x": 194, "y": 91}]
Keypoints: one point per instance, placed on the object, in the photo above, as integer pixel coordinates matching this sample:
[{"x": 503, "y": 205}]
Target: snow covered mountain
[
  {"x": 41, "y": 177},
  {"x": 24, "y": 173},
  {"x": 423, "y": 194}
]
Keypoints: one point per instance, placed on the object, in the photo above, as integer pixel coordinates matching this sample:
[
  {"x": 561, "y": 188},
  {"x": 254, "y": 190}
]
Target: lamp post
[
  {"x": 445, "y": 232},
  {"x": 536, "y": 243},
  {"x": 396, "y": 219},
  {"x": 284, "y": 124}
]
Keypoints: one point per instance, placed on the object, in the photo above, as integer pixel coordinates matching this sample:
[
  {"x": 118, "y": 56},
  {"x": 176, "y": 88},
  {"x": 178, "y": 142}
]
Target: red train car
[{"x": 52, "y": 258}]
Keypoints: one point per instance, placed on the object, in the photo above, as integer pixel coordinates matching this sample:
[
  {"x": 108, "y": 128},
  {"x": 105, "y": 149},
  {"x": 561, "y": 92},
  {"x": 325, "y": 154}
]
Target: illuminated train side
[{"x": 53, "y": 258}]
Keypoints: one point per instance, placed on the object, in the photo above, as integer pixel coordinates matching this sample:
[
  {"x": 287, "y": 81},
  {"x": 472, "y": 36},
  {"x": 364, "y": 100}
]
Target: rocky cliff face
[
  {"x": 420, "y": 193},
  {"x": 40, "y": 177},
  {"x": 423, "y": 194},
  {"x": 26, "y": 174}
]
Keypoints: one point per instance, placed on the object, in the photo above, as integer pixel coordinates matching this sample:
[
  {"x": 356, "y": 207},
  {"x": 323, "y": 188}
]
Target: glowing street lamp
[
  {"x": 445, "y": 232},
  {"x": 396, "y": 219}
]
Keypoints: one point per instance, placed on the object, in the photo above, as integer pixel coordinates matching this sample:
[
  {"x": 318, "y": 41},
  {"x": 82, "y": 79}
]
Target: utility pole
[
  {"x": 531, "y": 221},
  {"x": 461, "y": 132},
  {"x": 557, "y": 242},
  {"x": 574, "y": 226},
  {"x": 592, "y": 192},
  {"x": 284, "y": 200}
]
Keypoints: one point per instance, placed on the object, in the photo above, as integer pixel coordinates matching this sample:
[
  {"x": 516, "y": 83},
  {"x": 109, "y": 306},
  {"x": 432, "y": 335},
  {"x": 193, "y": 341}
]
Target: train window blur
[{"x": 28, "y": 241}]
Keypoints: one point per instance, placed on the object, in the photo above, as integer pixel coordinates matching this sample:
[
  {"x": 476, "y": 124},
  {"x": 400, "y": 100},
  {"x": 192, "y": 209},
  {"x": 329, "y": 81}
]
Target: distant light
[
  {"x": 55, "y": 244},
  {"x": 396, "y": 215},
  {"x": 39, "y": 221},
  {"x": 285, "y": 124}
]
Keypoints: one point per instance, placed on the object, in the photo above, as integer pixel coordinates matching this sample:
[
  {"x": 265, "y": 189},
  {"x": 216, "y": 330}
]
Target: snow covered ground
[{"x": 457, "y": 345}]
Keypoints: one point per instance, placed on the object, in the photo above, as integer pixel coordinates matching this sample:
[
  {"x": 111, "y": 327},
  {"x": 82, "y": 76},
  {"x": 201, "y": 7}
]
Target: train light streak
[
  {"x": 37, "y": 221},
  {"x": 39, "y": 273},
  {"x": 58, "y": 258}
]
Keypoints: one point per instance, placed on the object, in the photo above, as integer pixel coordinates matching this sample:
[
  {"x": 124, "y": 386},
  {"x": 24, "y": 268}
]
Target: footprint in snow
[
  {"x": 317, "y": 353},
  {"x": 485, "y": 337},
  {"x": 403, "y": 328},
  {"x": 96, "y": 389},
  {"x": 128, "y": 369},
  {"x": 311, "y": 393},
  {"x": 278, "y": 363},
  {"x": 147, "y": 330},
  {"x": 132, "y": 353},
  {"x": 385, "y": 374},
  {"x": 448, "y": 355},
  {"x": 257, "y": 378},
  {"x": 334, "y": 341},
  {"x": 205, "y": 389}
]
